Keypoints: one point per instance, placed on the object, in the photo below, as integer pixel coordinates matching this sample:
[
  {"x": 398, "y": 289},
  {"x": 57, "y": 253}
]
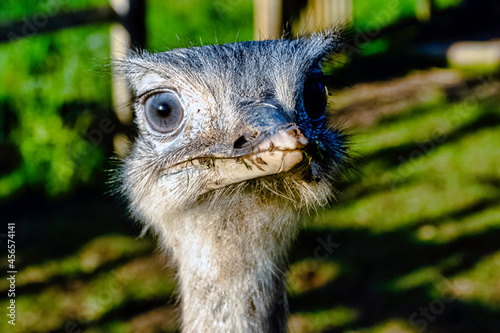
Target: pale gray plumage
[{"x": 225, "y": 185}]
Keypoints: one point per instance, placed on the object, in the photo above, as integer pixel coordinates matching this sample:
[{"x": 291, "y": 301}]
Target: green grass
[
  {"x": 198, "y": 22},
  {"x": 373, "y": 15},
  {"x": 50, "y": 100}
]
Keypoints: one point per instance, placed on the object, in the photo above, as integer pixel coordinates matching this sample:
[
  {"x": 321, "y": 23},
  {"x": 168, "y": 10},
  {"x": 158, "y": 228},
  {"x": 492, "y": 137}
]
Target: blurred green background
[{"x": 411, "y": 246}]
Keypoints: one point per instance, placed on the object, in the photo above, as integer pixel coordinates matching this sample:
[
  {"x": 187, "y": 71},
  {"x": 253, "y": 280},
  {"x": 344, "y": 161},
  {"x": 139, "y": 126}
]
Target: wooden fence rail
[
  {"x": 41, "y": 24},
  {"x": 129, "y": 13}
]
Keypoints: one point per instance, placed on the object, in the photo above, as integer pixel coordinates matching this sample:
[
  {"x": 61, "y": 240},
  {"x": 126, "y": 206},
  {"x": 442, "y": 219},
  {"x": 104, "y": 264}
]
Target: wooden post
[
  {"x": 340, "y": 13},
  {"x": 321, "y": 14},
  {"x": 120, "y": 44},
  {"x": 129, "y": 33},
  {"x": 299, "y": 16},
  {"x": 267, "y": 19}
]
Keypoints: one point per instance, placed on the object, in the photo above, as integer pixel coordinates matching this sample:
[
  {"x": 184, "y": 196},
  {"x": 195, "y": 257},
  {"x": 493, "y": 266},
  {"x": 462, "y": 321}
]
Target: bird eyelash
[{"x": 142, "y": 97}]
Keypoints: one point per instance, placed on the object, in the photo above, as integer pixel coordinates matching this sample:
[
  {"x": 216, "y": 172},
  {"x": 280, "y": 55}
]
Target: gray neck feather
[{"x": 232, "y": 269}]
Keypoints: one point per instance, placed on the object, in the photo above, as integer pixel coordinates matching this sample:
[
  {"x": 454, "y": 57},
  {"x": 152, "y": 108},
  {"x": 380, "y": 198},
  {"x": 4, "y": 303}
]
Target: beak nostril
[
  {"x": 291, "y": 129},
  {"x": 240, "y": 143}
]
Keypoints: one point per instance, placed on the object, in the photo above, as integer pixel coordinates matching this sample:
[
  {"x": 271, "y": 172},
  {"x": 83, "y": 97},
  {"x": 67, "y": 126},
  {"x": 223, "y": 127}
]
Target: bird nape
[{"x": 234, "y": 144}]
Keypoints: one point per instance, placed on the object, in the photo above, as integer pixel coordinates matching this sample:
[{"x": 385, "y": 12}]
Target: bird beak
[{"x": 276, "y": 152}]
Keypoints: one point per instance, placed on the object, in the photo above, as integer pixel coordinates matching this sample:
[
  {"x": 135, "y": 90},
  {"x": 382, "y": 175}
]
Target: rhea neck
[{"x": 232, "y": 264}]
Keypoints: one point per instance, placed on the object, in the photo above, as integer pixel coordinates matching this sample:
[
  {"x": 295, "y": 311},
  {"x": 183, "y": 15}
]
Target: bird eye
[
  {"x": 315, "y": 96},
  {"x": 163, "y": 112}
]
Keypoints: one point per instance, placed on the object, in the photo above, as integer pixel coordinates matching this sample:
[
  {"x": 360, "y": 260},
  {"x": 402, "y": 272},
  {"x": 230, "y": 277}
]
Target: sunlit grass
[
  {"x": 98, "y": 252},
  {"x": 310, "y": 274},
  {"x": 309, "y": 322},
  {"x": 421, "y": 276},
  {"x": 390, "y": 326},
  {"x": 405, "y": 206},
  {"x": 89, "y": 299},
  {"x": 450, "y": 229},
  {"x": 481, "y": 284}
]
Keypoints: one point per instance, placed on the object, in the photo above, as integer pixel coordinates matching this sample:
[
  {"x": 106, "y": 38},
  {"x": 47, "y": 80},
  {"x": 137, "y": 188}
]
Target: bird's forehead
[
  {"x": 246, "y": 67},
  {"x": 249, "y": 67},
  {"x": 245, "y": 58}
]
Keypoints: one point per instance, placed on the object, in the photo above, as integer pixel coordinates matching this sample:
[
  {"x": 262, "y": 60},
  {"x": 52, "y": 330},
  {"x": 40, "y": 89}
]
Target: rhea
[{"x": 234, "y": 145}]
